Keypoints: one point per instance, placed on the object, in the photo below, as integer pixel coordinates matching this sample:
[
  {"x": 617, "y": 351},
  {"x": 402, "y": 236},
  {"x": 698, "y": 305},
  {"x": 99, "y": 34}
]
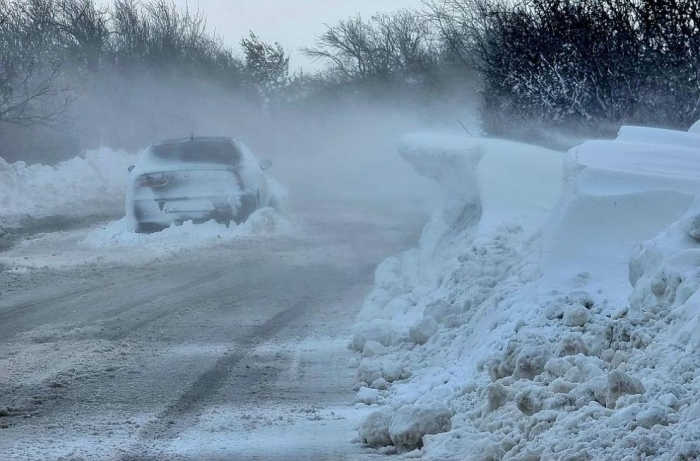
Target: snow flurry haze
[{"x": 549, "y": 311}]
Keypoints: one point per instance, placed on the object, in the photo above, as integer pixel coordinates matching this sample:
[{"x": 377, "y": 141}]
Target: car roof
[{"x": 196, "y": 139}]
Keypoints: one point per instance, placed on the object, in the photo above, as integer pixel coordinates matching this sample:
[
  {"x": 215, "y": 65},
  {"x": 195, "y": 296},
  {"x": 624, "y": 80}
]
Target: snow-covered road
[{"x": 236, "y": 350}]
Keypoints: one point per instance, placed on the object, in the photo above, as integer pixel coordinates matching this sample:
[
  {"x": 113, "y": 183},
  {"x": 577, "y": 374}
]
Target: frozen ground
[
  {"x": 200, "y": 342},
  {"x": 541, "y": 318}
]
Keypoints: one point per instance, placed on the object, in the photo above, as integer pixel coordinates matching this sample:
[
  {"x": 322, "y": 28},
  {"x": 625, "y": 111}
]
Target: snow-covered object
[
  {"x": 92, "y": 183},
  {"x": 461, "y": 444},
  {"x": 367, "y": 396},
  {"x": 372, "y": 369},
  {"x": 421, "y": 332},
  {"x": 195, "y": 179},
  {"x": 665, "y": 272},
  {"x": 375, "y": 428},
  {"x": 405, "y": 427},
  {"x": 543, "y": 348},
  {"x": 372, "y": 348},
  {"x": 411, "y": 423},
  {"x": 379, "y": 331}
]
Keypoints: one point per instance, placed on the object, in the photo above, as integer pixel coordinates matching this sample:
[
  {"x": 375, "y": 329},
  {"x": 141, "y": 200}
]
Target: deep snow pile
[
  {"x": 541, "y": 320},
  {"x": 93, "y": 182},
  {"x": 115, "y": 236}
]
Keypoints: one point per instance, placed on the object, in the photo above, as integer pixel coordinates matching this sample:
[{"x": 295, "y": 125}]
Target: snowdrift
[
  {"x": 92, "y": 183},
  {"x": 550, "y": 310},
  {"x": 115, "y": 236}
]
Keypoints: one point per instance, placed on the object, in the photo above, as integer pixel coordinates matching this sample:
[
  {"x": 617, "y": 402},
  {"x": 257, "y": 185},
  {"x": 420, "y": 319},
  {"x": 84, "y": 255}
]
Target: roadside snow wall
[
  {"x": 92, "y": 183},
  {"x": 539, "y": 319}
]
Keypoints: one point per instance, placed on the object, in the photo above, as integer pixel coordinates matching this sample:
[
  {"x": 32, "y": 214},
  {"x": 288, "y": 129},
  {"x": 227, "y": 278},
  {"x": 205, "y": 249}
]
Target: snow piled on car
[
  {"x": 92, "y": 183},
  {"x": 542, "y": 316}
]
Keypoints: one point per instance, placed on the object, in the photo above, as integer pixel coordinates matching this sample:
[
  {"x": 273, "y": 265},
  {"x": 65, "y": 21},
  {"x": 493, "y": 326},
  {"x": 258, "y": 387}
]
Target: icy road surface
[{"x": 231, "y": 350}]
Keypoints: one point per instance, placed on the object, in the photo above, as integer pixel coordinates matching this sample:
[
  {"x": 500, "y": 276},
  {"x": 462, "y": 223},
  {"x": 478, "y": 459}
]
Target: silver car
[{"x": 195, "y": 178}]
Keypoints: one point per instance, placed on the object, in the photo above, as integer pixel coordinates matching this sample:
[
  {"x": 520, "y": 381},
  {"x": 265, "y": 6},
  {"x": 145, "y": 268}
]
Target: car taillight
[{"x": 152, "y": 180}]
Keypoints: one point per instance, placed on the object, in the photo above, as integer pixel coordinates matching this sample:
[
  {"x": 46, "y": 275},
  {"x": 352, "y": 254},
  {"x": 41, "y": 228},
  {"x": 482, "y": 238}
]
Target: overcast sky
[{"x": 293, "y": 23}]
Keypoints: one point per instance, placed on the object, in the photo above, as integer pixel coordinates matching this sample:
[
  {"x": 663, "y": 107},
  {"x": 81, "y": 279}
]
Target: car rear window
[{"x": 198, "y": 151}]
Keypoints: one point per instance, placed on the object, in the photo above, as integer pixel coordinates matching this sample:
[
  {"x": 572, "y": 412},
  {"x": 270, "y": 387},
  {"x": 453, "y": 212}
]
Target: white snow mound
[
  {"x": 551, "y": 305},
  {"x": 115, "y": 236},
  {"x": 93, "y": 182}
]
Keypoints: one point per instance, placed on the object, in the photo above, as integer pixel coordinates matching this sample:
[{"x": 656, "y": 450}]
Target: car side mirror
[
  {"x": 265, "y": 164},
  {"x": 131, "y": 167}
]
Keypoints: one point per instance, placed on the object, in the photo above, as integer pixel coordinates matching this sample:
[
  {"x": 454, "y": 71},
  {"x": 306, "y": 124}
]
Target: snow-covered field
[{"x": 543, "y": 315}]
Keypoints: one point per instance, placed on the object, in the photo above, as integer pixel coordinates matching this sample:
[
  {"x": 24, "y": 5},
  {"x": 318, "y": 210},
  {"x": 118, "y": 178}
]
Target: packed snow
[
  {"x": 116, "y": 235},
  {"x": 92, "y": 183},
  {"x": 550, "y": 309}
]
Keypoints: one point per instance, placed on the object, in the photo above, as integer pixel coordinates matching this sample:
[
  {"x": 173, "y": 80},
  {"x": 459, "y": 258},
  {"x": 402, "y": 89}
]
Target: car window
[{"x": 209, "y": 152}]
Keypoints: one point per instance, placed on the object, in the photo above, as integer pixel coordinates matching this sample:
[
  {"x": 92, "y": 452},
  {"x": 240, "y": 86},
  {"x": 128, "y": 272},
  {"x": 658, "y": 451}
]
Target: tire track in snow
[
  {"x": 10, "y": 318},
  {"x": 119, "y": 333},
  {"x": 181, "y": 414},
  {"x": 13, "y": 318},
  {"x": 17, "y": 308}
]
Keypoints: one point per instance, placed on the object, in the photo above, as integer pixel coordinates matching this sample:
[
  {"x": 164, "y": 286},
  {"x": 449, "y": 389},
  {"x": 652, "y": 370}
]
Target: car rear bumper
[{"x": 150, "y": 213}]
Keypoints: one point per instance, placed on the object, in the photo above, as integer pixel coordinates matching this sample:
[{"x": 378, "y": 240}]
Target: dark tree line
[
  {"x": 30, "y": 70},
  {"x": 578, "y": 67},
  {"x": 572, "y": 67},
  {"x": 400, "y": 57},
  {"x": 43, "y": 40},
  {"x": 585, "y": 67},
  {"x": 73, "y": 73}
]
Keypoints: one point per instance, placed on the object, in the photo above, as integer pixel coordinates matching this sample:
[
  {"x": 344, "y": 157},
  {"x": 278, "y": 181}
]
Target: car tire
[
  {"x": 248, "y": 206},
  {"x": 148, "y": 228}
]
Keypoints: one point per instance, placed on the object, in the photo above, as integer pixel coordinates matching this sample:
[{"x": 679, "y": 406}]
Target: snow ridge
[
  {"x": 534, "y": 327},
  {"x": 93, "y": 182}
]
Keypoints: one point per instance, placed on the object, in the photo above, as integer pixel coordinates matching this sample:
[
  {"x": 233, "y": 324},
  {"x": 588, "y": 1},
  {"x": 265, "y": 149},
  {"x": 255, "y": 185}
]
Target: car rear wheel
[
  {"x": 148, "y": 228},
  {"x": 249, "y": 203}
]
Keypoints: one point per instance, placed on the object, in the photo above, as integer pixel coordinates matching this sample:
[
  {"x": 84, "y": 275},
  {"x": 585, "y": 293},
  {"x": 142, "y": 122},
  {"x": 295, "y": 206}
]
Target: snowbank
[
  {"x": 90, "y": 184},
  {"x": 115, "y": 236},
  {"x": 548, "y": 320},
  {"x": 112, "y": 244},
  {"x": 618, "y": 194}
]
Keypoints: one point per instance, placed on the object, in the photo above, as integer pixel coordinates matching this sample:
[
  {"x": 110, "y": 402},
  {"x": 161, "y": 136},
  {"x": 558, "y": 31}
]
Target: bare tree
[
  {"x": 386, "y": 48},
  {"x": 130, "y": 33},
  {"x": 30, "y": 89},
  {"x": 84, "y": 31},
  {"x": 345, "y": 48},
  {"x": 266, "y": 67},
  {"x": 462, "y": 26}
]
